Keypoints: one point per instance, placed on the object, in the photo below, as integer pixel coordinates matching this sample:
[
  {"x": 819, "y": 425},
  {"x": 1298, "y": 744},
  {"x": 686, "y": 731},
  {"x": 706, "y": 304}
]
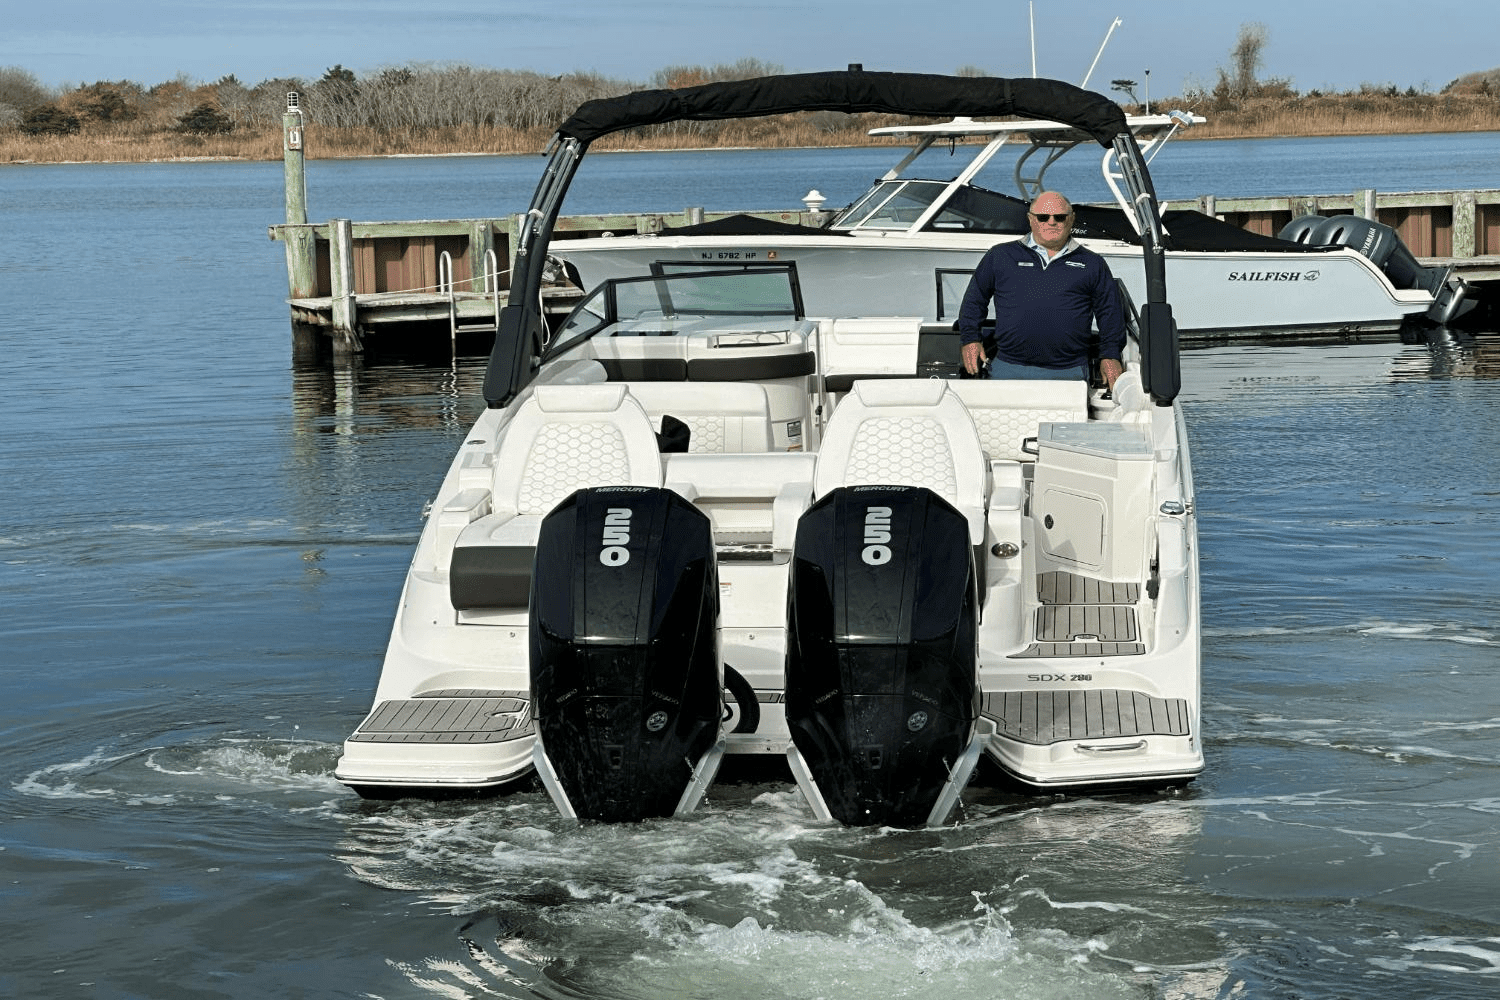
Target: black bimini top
[{"x": 854, "y": 91}]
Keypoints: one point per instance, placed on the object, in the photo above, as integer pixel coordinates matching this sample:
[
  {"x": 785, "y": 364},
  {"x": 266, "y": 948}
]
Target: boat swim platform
[
  {"x": 347, "y": 279},
  {"x": 1041, "y": 718},
  {"x": 450, "y": 716}
]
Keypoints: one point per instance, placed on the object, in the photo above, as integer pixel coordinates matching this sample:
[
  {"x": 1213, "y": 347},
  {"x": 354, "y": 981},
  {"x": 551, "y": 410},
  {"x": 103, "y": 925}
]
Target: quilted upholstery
[
  {"x": 1007, "y": 412},
  {"x": 568, "y": 437},
  {"x": 905, "y": 432},
  {"x": 902, "y": 450},
  {"x": 565, "y": 456},
  {"x": 722, "y": 416}
]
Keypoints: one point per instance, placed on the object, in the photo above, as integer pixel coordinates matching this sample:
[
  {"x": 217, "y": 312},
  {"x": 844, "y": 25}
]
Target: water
[
  {"x": 201, "y": 548},
  {"x": 753, "y": 180}
]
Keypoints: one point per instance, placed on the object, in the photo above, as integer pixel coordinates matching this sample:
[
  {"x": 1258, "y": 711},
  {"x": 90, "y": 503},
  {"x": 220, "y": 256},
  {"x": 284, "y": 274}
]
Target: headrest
[
  {"x": 900, "y": 391},
  {"x": 603, "y": 397}
]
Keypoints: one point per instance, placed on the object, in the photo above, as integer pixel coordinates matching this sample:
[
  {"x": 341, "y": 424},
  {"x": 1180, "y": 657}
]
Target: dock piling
[
  {"x": 301, "y": 244},
  {"x": 341, "y": 279},
  {"x": 292, "y": 156}
]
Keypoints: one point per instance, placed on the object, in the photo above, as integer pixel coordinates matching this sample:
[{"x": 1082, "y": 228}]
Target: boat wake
[
  {"x": 754, "y": 893},
  {"x": 222, "y": 769}
]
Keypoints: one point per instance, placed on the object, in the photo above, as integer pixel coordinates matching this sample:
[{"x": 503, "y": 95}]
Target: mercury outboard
[
  {"x": 626, "y": 683},
  {"x": 1381, "y": 245},
  {"x": 881, "y": 672}
]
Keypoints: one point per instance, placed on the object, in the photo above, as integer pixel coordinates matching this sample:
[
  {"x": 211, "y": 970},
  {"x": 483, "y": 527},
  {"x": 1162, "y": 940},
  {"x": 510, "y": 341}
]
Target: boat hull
[{"x": 1216, "y": 294}]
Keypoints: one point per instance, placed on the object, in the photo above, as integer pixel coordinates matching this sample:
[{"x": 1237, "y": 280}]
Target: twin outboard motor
[
  {"x": 625, "y": 678},
  {"x": 882, "y": 663},
  {"x": 1383, "y": 247}
]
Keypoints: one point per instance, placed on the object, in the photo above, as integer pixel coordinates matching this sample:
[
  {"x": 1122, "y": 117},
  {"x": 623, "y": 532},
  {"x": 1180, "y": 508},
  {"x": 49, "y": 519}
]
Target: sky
[{"x": 1323, "y": 44}]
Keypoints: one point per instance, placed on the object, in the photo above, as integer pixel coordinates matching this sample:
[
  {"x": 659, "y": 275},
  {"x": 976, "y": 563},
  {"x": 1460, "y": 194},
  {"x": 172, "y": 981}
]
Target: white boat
[
  {"x": 703, "y": 520},
  {"x": 915, "y": 241}
]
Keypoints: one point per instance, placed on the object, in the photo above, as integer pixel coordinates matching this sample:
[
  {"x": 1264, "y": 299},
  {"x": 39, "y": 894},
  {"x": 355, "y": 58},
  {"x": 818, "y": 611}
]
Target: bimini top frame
[{"x": 521, "y": 338}]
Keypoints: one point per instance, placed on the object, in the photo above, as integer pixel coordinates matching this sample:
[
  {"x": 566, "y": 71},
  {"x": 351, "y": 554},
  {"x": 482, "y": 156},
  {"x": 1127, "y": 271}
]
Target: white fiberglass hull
[
  {"x": 1087, "y": 646},
  {"x": 1214, "y": 294}
]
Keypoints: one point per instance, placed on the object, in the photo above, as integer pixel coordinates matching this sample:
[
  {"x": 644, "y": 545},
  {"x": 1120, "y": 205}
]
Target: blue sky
[{"x": 1328, "y": 44}]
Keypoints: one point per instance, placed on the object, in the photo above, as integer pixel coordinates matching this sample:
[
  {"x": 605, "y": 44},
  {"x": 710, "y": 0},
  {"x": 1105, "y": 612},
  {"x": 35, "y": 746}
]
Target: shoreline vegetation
[
  {"x": 1335, "y": 117},
  {"x": 460, "y": 110}
]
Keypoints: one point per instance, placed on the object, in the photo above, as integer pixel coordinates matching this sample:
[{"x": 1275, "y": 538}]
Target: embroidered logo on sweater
[
  {"x": 1075, "y": 263},
  {"x": 1026, "y": 263}
]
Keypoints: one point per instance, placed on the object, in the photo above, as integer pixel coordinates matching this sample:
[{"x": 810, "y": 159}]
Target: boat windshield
[
  {"x": 890, "y": 205},
  {"x": 975, "y": 209},
  {"x": 679, "y": 304}
]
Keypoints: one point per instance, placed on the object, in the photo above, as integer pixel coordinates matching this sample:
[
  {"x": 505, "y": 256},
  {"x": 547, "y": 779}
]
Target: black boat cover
[
  {"x": 854, "y": 90},
  {"x": 748, "y": 225},
  {"x": 1189, "y": 230}
]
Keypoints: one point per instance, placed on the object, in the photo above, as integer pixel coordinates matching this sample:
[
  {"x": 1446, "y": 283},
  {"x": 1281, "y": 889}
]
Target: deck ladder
[{"x": 491, "y": 290}]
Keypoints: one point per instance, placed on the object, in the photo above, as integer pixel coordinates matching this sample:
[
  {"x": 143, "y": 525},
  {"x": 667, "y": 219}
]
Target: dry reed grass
[
  {"x": 1351, "y": 114},
  {"x": 1337, "y": 114}
]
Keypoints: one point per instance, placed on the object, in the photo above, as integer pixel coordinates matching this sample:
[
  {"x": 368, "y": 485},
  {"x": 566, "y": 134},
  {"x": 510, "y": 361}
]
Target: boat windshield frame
[
  {"x": 878, "y": 207},
  {"x": 1051, "y": 139},
  {"x": 678, "y": 304}
]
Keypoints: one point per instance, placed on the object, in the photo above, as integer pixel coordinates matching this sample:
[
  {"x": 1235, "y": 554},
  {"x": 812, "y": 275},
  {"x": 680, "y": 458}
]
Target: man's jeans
[{"x": 1004, "y": 369}]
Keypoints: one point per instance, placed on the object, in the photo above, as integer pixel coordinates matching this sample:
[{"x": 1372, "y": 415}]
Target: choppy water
[{"x": 201, "y": 548}]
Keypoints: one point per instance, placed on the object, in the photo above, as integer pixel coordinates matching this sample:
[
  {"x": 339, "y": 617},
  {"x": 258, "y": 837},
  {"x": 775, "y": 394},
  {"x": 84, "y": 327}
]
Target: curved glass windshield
[
  {"x": 890, "y": 205},
  {"x": 975, "y": 209},
  {"x": 664, "y": 305}
]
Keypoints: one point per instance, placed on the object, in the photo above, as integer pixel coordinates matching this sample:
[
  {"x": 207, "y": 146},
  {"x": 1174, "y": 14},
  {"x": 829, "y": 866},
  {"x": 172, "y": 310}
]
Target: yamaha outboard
[
  {"x": 881, "y": 672},
  {"x": 625, "y": 677},
  {"x": 1382, "y": 246}
]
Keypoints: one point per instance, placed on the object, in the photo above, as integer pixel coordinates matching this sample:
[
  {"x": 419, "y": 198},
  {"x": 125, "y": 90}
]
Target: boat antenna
[
  {"x": 1102, "y": 44},
  {"x": 1031, "y": 9}
]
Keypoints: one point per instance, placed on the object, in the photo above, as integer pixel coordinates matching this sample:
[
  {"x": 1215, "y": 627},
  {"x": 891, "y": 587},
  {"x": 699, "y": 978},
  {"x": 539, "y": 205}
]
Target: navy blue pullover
[{"x": 1043, "y": 314}]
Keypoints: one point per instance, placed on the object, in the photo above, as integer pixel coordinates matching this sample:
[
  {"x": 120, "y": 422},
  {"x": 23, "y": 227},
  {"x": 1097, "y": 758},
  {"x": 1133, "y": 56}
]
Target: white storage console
[{"x": 1091, "y": 497}]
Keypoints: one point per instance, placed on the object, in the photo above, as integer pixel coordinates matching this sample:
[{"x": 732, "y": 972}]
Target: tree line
[
  {"x": 389, "y": 106},
  {"x": 410, "y": 98}
]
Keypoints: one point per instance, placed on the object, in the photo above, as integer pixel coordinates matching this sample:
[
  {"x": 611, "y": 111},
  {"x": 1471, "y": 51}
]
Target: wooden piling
[
  {"x": 1465, "y": 213},
  {"x": 341, "y": 278},
  {"x": 301, "y": 243},
  {"x": 292, "y": 157}
]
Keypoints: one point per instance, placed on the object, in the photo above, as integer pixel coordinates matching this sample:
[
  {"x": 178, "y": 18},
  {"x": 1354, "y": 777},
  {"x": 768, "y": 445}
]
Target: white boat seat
[
  {"x": 561, "y": 439},
  {"x": 749, "y": 497},
  {"x": 1008, "y": 411},
  {"x": 721, "y": 416},
  {"x": 906, "y": 432},
  {"x": 869, "y": 347}
]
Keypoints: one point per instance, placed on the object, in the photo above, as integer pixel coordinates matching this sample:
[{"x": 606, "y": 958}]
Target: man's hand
[
  {"x": 1111, "y": 370},
  {"x": 973, "y": 357}
]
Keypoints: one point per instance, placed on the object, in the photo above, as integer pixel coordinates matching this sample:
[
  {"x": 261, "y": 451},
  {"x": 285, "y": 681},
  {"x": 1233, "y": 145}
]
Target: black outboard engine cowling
[
  {"x": 626, "y": 684},
  {"x": 881, "y": 674}
]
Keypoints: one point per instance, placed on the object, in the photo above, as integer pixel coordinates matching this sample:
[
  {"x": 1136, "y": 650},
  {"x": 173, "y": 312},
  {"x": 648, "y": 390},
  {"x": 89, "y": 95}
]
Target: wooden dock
[{"x": 347, "y": 280}]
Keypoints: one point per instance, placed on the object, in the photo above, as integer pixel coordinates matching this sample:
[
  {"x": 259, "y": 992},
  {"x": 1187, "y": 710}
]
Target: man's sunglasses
[{"x": 1054, "y": 217}]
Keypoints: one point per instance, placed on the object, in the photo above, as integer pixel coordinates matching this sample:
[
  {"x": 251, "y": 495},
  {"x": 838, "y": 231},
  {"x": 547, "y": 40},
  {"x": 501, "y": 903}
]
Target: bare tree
[
  {"x": 1245, "y": 60},
  {"x": 20, "y": 89}
]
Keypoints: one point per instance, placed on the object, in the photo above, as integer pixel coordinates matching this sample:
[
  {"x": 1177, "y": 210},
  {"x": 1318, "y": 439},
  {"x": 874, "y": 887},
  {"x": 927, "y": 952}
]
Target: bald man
[{"x": 1048, "y": 291}]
